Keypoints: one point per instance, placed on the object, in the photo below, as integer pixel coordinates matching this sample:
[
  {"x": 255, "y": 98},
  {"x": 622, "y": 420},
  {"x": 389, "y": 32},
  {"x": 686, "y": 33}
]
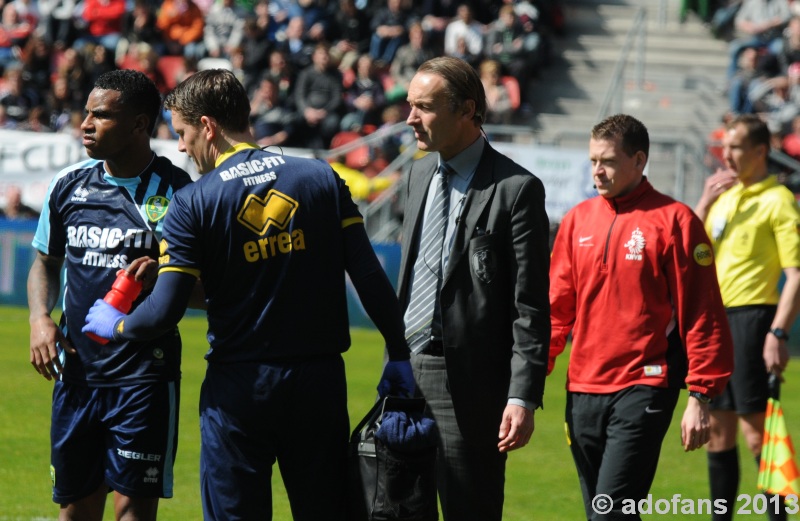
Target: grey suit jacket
[{"x": 494, "y": 298}]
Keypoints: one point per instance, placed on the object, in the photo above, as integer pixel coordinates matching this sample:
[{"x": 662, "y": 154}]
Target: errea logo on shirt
[
  {"x": 635, "y": 246},
  {"x": 80, "y": 195},
  {"x": 163, "y": 258},
  {"x": 258, "y": 215}
]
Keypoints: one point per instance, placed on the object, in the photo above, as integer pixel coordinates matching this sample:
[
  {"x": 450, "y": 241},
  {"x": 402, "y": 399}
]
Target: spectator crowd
[
  {"x": 312, "y": 68},
  {"x": 763, "y": 70}
]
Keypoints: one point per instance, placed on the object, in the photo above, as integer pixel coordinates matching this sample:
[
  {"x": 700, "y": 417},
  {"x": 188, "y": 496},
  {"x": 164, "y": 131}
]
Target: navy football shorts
[
  {"x": 126, "y": 437},
  {"x": 292, "y": 411}
]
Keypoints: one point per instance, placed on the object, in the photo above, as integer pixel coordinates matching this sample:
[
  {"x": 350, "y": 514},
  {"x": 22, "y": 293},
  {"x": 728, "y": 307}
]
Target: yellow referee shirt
[{"x": 755, "y": 235}]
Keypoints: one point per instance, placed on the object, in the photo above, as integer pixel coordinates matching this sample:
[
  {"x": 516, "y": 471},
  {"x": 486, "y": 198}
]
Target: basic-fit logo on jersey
[
  {"x": 703, "y": 254},
  {"x": 635, "y": 245},
  {"x": 156, "y": 207},
  {"x": 258, "y": 214}
]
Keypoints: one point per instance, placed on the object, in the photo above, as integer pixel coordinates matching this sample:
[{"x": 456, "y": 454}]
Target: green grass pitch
[{"x": 541, "y": 483}]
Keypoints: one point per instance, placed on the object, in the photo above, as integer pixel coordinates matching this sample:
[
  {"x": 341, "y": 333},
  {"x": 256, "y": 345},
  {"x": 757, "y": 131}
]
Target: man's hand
[
  {"x": 516, "y": 428},
  {"x": 46, "y": 339},
  {"x": 145, "y": 270},
  {"x": 102, "y": 319},
  {"x": 397, "y": 379},
  {"x": 714, "y": 186},
  {"x": 776, "y": 354},
  {"x": 695, "y": 425},
  {"x": 717, "y": 183}
]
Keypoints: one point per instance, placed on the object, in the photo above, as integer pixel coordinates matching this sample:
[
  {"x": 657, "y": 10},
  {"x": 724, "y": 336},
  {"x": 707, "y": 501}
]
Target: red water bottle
[{"x": 122, "y": 294}]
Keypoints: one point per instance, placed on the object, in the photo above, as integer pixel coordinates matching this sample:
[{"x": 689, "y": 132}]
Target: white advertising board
[{"x": 30, "y": 160}]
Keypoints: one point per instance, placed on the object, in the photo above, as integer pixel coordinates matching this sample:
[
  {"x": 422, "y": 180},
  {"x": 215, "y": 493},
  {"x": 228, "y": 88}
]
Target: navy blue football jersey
[
  {"x": 100, "y": 224},
  {"x": 264, "y": 232}
]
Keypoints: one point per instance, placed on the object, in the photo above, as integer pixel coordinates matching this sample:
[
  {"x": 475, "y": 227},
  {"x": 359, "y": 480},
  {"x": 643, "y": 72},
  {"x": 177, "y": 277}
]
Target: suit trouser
[
  {"x": 616, "y": 441},
  {"x": 470, "y": 477}
]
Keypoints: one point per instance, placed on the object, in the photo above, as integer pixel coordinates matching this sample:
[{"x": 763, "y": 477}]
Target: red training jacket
[{"x": 633, "y": 279}]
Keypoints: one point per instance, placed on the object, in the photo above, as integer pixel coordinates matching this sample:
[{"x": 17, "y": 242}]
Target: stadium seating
[
  {"x": 172, "y": 68},
  {"x": 512, "y": 86}
]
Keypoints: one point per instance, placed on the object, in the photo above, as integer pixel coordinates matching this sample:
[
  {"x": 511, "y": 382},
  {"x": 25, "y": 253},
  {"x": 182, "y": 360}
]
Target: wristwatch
[
  {"x": 702, "y": 398},
  {"x": 779, "y": 333}
]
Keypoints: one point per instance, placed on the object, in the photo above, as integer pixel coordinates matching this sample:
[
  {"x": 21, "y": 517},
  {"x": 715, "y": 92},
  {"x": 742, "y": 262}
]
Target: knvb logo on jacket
[{"x": 635, "y": 246}]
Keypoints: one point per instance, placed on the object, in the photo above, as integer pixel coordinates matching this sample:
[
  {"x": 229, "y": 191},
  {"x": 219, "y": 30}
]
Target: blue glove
[
  {"x": 102, "y": 319},
  {"x": 397, "y": 380},
  {"x": 406, "y": 432}
]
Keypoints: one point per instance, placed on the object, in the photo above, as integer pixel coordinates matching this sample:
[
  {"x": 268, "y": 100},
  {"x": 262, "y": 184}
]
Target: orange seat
[
  {"x": 512, "y": 87},
  {"x": 358, "y": 158},
  {"x": 171, "y": 67},
  {"x": 343, "y": 138}
]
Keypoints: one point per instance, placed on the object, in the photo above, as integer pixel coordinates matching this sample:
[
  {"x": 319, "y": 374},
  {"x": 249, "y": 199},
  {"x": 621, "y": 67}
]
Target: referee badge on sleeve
[{"x": 703, "y": 254}]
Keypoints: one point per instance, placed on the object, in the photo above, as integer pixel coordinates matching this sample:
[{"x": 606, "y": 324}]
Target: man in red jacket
[
  {"x": 632, "y": 278},
  {"x": 103, "y": 23}
]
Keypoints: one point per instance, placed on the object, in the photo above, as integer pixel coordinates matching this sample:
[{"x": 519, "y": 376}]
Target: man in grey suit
[{"x": 474, "y": 284}]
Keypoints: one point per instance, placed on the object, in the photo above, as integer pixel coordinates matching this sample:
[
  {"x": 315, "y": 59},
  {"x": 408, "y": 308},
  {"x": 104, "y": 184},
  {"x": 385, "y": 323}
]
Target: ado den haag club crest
[
  {"x": 484, "y": 265},
  {"x": 156, "y": 207}
]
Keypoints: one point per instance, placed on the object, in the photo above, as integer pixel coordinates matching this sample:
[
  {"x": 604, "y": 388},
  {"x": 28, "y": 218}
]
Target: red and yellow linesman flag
[{"x": 778, "y": 473}]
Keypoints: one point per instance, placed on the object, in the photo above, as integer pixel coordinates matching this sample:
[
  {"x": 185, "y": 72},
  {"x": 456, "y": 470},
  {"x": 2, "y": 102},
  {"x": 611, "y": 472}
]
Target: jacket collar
[
  {"x": 479, "y": 194},
  {"x": 467, "y": 160},
  {"x": 235, "y": 149},
  {"x": 631, "y": 199}
]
